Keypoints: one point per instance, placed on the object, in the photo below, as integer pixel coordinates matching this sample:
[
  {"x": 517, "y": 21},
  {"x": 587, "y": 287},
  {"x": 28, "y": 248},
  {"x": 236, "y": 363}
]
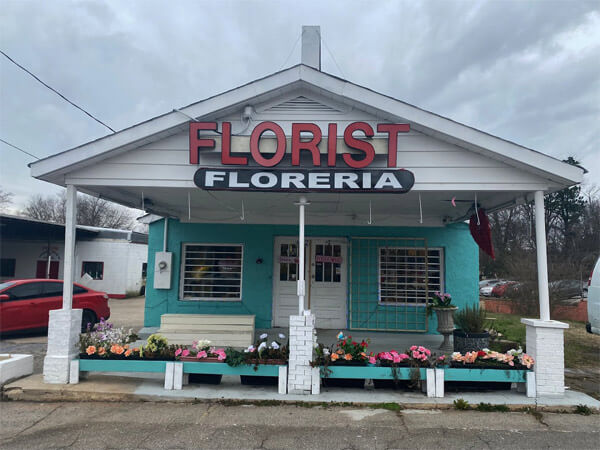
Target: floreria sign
[{"x": 301, "y": 180}]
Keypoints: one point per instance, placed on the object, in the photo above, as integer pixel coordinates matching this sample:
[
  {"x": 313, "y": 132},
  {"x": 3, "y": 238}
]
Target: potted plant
[
  {"x": 471, "y": 333},
  {"x": 201, "y": 352},
  {"x": 346, "y": 352},
  {"x": 275, "y": 353},
  {"x": 415, "y": 357},
  {"x": 444, "y": 310}
]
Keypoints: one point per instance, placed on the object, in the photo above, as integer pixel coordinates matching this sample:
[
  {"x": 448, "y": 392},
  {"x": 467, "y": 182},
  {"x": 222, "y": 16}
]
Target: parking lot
[{"x": 128, "y": 313}]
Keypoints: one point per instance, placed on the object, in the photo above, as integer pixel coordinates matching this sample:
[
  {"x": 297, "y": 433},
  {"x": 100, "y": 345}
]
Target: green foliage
[
  {"x": 471, "y": 319},
  {"x": 235, "y": 357},
  {"x": 156, "y": 343},
  {"x": 488, "y": 407},
  {"x": 584, "y": 410},
  {"x": 461, "y": 404}
]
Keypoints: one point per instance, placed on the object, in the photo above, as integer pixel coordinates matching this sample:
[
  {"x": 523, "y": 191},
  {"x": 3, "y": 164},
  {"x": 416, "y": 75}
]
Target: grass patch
[
  {"x": 388, "y": 406},
  {"x": 583, "y": 410},
  {"x": 582, "y": 349},
  {"x": 461, "y": 404},
  {"x": 488, "y": 407}
]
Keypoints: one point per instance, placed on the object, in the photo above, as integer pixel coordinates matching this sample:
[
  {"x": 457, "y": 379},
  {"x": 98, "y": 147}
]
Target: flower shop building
[{"x": 302, "y": 192}]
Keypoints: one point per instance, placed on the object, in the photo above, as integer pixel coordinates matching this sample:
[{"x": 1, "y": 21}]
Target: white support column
[
  {"x": 301, "y": 263},
  {"x": 545, "y": 337},
  {"x": 542, "y": 259},
  {"x": 64, "y": 325}
]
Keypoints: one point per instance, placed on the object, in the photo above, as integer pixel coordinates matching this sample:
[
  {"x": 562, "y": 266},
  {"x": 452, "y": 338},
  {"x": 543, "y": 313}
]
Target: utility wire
[
  {"x": 20, "y": 149},
  {"x": 56, "y": 92},
  {"x": 288, "y": 57},
  {"x": 332, "y": 57}
]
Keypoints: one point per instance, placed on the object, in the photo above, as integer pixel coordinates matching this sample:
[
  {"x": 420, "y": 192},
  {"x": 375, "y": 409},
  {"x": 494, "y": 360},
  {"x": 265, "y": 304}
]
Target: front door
[
  {"x": 326, "y": 282},
  {"x": 42, "y": 267}
]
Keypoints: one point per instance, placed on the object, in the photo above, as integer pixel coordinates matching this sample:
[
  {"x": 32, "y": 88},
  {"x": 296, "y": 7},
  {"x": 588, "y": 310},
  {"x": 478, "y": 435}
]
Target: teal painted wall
[{"x": 461, "y": 263}]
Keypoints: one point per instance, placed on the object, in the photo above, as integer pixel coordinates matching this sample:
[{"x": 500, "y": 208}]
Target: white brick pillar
[
  {"x": 545, "y": 343},
  {"x": 302, "y": 340},
  {"x": 64, "y": 325}
]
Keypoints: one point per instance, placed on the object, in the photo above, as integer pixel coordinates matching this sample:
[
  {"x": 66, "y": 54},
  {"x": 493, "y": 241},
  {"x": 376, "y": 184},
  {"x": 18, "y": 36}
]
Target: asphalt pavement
[{"x": 203, "y": 425}]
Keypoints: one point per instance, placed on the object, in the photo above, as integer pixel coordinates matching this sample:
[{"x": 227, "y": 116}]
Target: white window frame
[
  {"x": 442, "y": 273},
  {"x": 184, "y": 245}
]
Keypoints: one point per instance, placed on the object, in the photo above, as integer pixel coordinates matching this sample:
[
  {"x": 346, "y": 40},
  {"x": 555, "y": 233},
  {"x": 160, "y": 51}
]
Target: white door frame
[{"x": 309, "y": 239}]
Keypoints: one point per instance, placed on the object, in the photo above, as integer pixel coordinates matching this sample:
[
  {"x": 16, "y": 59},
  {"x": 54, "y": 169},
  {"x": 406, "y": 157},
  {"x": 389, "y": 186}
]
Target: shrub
[
  {"x": 584, "y": 410},
  {"x": 471, "y": 319},
  {"x": 461, "y": 404}
]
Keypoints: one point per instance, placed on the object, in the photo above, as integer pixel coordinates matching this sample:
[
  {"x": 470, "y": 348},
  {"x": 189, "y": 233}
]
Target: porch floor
[{"x": 379, "y": 341}]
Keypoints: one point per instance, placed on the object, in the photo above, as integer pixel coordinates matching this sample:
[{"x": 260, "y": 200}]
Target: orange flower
[
  {"x": 90, "y": 350},
  {"x": 340, "y": 352},
  {"x": 334, "y": 357},
  {"x": 116, "y": 349},
  {"x": 363, "y": 354},
  {"x": 348, "y": 357},
  {"x": 128, "y": 352},
  {"x": 101, "y": 351},
  {"x": 126, "y": 346}
]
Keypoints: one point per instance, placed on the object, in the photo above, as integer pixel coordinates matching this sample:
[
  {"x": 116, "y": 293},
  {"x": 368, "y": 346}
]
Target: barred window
[
  {"x": 407, "y": 276},
  {"x": 211, "y": 272}
]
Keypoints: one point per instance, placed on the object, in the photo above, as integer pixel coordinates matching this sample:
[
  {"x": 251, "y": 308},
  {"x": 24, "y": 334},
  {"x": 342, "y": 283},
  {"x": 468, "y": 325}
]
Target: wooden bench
[{"x": 222, "y": 330}]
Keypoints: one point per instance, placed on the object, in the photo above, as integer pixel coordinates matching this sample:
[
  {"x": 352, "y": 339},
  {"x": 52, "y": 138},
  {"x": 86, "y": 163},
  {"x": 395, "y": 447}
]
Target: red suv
[{"x": 25, "y": 304}]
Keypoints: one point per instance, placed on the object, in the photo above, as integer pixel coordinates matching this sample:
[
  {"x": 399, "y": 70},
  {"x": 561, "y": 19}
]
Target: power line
[
  {"x": 56, "y": 92},
  {"x": 332, "y": 57},
  {"x": 20, "y": 149},
  {"x": 292, "y": 51}
]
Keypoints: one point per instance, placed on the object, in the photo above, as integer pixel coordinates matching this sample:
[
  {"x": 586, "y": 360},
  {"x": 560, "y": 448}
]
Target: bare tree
[
  {"x": 92, "y": 211},
  {"x": 5, "y": 199}
]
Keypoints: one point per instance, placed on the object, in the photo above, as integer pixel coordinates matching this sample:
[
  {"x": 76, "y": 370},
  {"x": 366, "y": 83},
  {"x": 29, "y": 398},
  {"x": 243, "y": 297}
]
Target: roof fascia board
[
  {"x": 132, "y": 136},
  {"x": 555, "y": 169}
]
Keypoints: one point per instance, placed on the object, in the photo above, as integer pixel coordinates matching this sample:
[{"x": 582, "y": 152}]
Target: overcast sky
[{"x": 524, "y": 71}]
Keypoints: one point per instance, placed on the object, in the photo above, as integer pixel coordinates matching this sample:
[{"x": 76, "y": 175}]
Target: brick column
[
  {"x": 302, "y": 341},
  {"x": 545, "y": 343}
]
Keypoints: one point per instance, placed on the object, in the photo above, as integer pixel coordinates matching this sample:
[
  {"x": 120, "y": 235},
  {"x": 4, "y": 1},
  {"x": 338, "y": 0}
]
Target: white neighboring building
[{"x": 115, "y": 260}]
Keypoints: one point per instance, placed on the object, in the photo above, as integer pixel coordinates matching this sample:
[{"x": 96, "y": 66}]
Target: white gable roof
[{"x": 53, "y": 168}]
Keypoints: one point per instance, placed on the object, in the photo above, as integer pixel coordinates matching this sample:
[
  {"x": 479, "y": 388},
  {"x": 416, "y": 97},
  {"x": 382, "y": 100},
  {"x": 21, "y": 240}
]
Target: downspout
[{"x": 166, "y": 233}]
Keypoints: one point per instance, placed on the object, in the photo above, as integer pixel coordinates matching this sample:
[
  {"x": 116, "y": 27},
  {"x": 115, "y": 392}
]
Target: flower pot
[
  {"x": 204, "y": 378},
  {"x": 445, "y": 320},
  {"x": 468, "y": 342},
  {"x": 254, "y": 380},
  {"x": 268, "y": 362},
  {"x": 211, "y": 359},
  {"x": 357, "y": 383}
]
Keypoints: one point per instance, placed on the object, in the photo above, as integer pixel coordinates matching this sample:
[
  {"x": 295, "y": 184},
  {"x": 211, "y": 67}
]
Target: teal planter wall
[{"x": 461, "y": 265}]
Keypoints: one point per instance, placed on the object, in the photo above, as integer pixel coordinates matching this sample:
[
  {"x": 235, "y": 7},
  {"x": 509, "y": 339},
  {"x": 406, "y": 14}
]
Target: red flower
[
  {"x": 481, "y": 353},
  {"x": 354, "y": 343}
]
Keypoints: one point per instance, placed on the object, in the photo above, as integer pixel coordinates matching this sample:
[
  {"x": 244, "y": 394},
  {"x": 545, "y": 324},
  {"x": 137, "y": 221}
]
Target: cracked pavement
[{"x": 212, "y": 425}]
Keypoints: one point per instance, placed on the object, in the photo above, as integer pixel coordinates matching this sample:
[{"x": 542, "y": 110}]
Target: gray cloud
[{"x": 525, "y": 71}]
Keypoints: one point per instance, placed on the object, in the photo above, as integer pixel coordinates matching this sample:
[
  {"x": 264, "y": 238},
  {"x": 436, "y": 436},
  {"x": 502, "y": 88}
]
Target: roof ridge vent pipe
[{"x": 311, "y": 46}]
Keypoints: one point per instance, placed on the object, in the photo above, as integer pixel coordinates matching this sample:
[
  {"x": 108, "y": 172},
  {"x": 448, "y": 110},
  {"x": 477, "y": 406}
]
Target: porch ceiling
[{"x": 325, "y": 208}]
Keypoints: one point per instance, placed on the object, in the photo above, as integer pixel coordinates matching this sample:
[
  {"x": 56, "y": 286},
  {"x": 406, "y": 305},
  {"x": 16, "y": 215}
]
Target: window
[
  {"x": 144, "y": 270},
  {"x": 7, "y": 267},
  {"x": 404, "y": 276},
  {"x": 211, "y": 272},
  {"x": 328, "y": 263},
  {"x": 94, "y": 269},
  {"x": 25, "y": 291},
  {"x": 52, "y": 289},
  {"x": 288, "y": 262}
]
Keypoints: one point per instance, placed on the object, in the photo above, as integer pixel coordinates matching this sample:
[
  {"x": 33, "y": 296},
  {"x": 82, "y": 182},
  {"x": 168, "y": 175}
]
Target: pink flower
[
  {"x": 415, "y": 354},
  {"x": 403, "y": 356},
  {"x": 397, "y": 359},
  {"x": 421, "y": 348},
  {"x": 220, "y": 354},
  {"x": 178, "y": 352},
  {"x": 372, "y": 360},
  {"x": 185, "y": 353},
  {"x": 442, "y": 358},
  {"x": 427, "y": 352},
  {"x": 413, "y": 348},
  {"x": 201, "y": 354}
]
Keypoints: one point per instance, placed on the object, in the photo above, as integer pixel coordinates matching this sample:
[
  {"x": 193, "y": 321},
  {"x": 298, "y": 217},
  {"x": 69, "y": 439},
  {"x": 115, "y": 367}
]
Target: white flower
[
  {"x": 262, "y": 346},
  {"x": 274, "y": 345},
  {"x": 326, "y": 351},
  {"x": 250, "y": 349},
  {"x": 487, "y": 350},
  {"x": 281, "y": 336},
  {"x": 202, "y": 343},
  {"x": 263, "y": 336}
]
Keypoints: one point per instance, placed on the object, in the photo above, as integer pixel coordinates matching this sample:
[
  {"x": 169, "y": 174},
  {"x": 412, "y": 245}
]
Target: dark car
[{"x": 25, "y": 304}]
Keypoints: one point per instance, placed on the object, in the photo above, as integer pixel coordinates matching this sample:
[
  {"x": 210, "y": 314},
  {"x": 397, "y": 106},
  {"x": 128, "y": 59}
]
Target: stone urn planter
[
  {"x": 468, "y": 342},
  {"x": 445, "y": 319}
]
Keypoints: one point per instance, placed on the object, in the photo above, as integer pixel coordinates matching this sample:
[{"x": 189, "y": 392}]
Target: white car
[
  {"x": 486, "y": 286},
  {"x": 593, "y": 325}
]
